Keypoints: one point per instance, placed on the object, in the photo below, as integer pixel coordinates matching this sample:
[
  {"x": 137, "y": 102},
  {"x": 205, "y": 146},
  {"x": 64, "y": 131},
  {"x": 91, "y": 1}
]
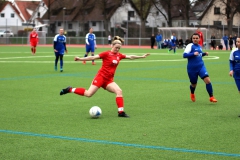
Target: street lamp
[{"x": 63, "y": 15}]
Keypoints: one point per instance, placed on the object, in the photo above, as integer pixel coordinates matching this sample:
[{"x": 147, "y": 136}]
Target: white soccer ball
[{"x": 95, "y": 112}]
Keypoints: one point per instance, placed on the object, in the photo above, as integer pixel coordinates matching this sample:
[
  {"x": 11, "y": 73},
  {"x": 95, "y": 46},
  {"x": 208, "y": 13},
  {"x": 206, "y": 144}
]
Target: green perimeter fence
[{"x": 73, "y": 40}]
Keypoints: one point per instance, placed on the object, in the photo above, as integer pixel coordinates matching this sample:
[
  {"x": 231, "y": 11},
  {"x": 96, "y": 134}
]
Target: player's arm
[
  {"x": 89, "y": 58},
  {"x": 205, "y": 54},
  {"x": 87, "y": 40},
  {"x": 65, "y": 48},
  {"x": 55, "y": 43},
  {"x": 30, "y": 37},
  {"x": 231, "y": 64},
  {"x": 37, "y": 38},
  {"x": 136, "y": 57},
  {"x": 187, "y": 52},
  {"x": 95, "y": 43}
]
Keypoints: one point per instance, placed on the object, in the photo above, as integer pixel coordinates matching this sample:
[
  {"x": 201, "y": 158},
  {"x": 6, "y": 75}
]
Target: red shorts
[
  {"x": 100, "y": 81},
  {"x": 33, "y": 44}
]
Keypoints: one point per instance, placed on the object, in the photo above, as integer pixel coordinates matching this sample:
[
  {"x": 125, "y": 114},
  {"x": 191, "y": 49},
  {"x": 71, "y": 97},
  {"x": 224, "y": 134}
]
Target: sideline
[{"x": 120, "y": 143}]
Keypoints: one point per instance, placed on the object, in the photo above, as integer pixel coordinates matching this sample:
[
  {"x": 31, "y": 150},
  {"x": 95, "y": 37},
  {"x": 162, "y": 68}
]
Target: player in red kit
[
  {"x": 201, "y": 37},
  {"x": 104, "y": 77},
  {"x": 33, "y": 41}
]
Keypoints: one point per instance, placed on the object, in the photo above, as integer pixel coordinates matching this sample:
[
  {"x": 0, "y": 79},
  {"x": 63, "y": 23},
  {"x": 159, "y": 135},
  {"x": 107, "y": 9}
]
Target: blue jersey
[
  {"x": 60, "y": 43},
  {"x": 195, "y": 63},
  {"x": 235, "y": 63},
  {"x": 91, "y": 39},
  {"x": 173, "y": 40},
  {"x": 159, "y": 38}
]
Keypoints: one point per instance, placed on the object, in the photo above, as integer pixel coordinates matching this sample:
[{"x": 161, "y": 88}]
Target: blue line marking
[{"x": 122, "y": 144}]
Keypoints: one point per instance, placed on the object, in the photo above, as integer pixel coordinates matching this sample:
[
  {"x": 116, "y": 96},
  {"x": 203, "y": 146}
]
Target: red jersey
[
  {"x": 110, "y": 62},
  {"x": 201, "y": 38},
  {"x": 33, "y": 37}
]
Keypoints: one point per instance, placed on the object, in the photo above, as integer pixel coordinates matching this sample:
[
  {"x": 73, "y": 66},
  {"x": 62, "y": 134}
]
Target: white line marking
[{"x": 124, "y": 61}]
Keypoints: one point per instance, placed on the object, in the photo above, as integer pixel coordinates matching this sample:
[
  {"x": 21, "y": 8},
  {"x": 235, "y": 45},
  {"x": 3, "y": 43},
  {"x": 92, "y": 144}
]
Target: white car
[{"x": 5, "y": 33}]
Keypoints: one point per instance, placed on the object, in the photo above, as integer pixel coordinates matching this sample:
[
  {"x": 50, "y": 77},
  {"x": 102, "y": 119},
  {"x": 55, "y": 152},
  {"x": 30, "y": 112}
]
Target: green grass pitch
[{"x": 37, "y": 123}]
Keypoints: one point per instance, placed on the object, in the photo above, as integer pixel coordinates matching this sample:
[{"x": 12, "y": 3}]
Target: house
[
  {"x": 78, "y": 16},
  {"x": 17, "y": 15},
  {"x": 10, "y": 17},
  {"x": 210, "y": 12}
]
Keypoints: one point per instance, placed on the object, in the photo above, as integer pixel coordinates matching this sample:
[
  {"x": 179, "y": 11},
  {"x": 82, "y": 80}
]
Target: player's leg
[
  {"x": 87, "y": 51},
  {"x": 61, "y": 62},
  {"x": 174, "y": 49},
  {"x": 170, "y": 49},
  {"x": 237, "y": 81},
  {"x": 34, "y": 47},
  {"x": 204, "y": 75},
  {"x": 31, "y": 44},
  {"x": 83, "y": 92},
  {"x": 96, "y": 84},
  {"x": 114, "y": 88},
  {"x": 193, "y": 77},
  {"x": 56, "y": 60},
  {"x": 92, "y": 53}
]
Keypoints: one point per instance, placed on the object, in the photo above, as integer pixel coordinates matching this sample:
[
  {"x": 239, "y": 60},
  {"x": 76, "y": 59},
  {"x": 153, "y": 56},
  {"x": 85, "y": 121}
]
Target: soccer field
[{"x": 37, "y": 123}]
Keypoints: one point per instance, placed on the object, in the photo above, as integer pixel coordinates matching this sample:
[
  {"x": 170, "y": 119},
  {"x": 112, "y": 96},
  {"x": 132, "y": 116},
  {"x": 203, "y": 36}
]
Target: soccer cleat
[
  {"x": 123, "y": 114},
  {"x": 93, "y": 63},
  {"x": 192, "y": 97},
  {"x": 65, "y": 91},
  {"x": 55, "y": 68},
  {"x": 83, "y": 62},
  {"x": 61, "y": 70},
  {"x": 212, "y": 99}
]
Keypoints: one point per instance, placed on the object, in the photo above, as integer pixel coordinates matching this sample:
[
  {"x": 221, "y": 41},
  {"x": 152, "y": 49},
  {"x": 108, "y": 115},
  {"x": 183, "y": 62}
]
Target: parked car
[{"x": 6, "y": 33}]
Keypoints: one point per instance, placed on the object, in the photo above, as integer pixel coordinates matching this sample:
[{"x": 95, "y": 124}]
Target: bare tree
[
  {"x": 175, "y": 9},
  {"x": 229, "y": 10},
  {"x": 142, "y": 8},
  {"x": 108, "y": 8},
  {"x": 167, "y": 5}
]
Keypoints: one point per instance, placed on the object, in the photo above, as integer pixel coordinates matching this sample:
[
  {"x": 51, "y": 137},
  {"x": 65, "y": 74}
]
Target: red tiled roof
[
  {"x": 79, "y": 10},
  {"x": 3, "y": 5},
  {"x": 23, "y": 6}
]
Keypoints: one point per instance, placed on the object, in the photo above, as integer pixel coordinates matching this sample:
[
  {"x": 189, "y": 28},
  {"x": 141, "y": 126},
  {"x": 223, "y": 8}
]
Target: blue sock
[
  {"x": 170, "y": 49},
  {"x": 174, "y": 50},
  {"x": 209, "y": 89},
  {"x": 61, "y": 64},
  {"x": 192, "y": 89}
]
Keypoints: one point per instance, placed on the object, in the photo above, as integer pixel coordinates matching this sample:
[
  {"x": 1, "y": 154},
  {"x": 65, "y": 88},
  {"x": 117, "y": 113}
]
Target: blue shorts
[
  {"x": 193, "y": 75},
  {"x": 90, "y": 48},
  {"x": 237, "y": 81},
  {"x": 60, "y": 52}
]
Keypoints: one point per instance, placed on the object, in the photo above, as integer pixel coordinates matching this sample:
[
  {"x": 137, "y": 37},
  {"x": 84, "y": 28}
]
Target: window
[
  {"x": 93, "y": 23},
  {"x": 217, "y": 23},
  {"x": 216, "y": 10},
  {"x": 59, "y": 24},
  {"x": 157, "y": 13},
  {"x": 12, "y": 15},
  {"x": 164, "y": 24},
  {"x": 130, "y": 13},
  {"x": 2, "y": 15},
  {"x": 70, "y": 26}
]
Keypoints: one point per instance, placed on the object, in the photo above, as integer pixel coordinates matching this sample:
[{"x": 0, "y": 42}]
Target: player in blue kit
[
  {"x": 90, "y": 44},
  {"x": 235, "y": 64},
  {"x": 59, "y": 45},
  {"x": 195, "y": 67},
  {"x": 173, "y": 43}
]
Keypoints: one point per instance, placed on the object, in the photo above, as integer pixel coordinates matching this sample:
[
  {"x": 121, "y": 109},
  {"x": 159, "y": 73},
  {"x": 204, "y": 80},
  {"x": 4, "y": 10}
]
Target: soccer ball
[{"x": 95, "y": 112}]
